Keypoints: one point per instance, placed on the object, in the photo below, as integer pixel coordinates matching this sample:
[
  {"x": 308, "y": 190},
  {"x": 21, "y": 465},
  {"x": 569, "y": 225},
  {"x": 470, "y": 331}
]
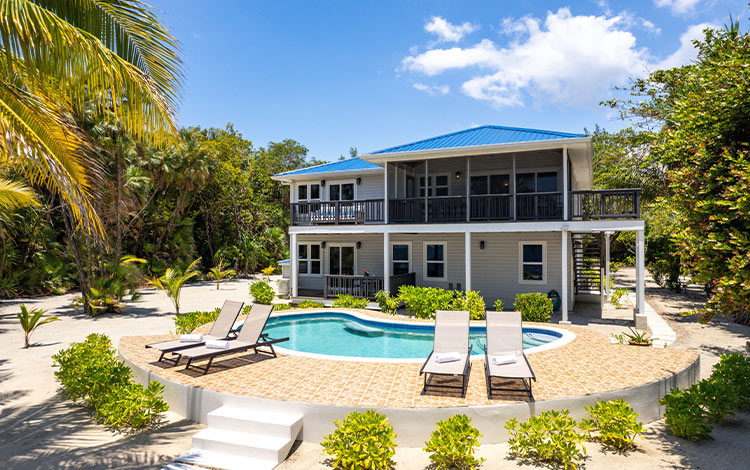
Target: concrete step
[
  {"x": 242, "y": 444},
  {"x": 269, "y": 423},
  {"x": 220, "y": 460}
]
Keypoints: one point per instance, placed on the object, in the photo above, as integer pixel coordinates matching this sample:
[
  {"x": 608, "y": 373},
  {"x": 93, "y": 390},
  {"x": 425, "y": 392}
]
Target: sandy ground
[{"x": 40, "y": 430}]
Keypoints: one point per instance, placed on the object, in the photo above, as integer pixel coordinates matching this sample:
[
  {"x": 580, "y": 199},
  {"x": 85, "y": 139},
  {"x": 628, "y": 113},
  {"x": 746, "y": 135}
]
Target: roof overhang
[{"x": 288, "y": 179}]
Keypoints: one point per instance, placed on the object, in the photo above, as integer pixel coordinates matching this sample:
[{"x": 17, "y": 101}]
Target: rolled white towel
[
  {"x": 502, "y": 360},
  {"x": 447, "y": 357},
  {"x": 217, "y": 344},
  {"x": 194, "y": 338}
]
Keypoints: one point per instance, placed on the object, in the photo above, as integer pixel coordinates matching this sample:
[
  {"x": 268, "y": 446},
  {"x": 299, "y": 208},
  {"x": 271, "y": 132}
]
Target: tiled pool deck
[{"x": 588, "y": 364}]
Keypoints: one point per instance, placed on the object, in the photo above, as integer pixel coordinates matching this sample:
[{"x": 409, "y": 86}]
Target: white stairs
[{"x": 241, "y": 438}]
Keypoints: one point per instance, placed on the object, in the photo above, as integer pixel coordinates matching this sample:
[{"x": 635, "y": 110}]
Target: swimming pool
[{"x": 346, "y": 335}]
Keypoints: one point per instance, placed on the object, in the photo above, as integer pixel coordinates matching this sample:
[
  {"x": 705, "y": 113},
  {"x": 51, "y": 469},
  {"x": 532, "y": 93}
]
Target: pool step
[{"x": 241, "y": 438}]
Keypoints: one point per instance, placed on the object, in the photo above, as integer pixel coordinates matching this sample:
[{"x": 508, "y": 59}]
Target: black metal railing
[
  {"x": 406, "y": 210},
  {"x": 605, "y": 204},
  {"x": 446, "y": 209},
  {"x": 494, "y": 207},
  {"x": 337, "y": 212},
  {"x": 362, "y": 286},
  {"x": 539, "y": 206}
]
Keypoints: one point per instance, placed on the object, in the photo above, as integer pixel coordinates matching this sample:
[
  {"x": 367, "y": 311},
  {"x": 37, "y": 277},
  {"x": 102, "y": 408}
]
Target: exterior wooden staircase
[{"x": 587, "y": 262}]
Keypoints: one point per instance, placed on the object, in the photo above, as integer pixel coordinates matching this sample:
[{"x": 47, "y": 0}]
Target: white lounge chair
[
  {"x": 451, "y": 342},
  {"x": 505, "y": 344}
]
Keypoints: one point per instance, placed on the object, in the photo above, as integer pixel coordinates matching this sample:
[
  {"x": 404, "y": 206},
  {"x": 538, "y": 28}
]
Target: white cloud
[
  {"x": 432, "y": 90},
  {"x": 679, "y": 7},
  {"x": 687, "y": 51},
  {"x": 448, "y": 32},
  {"x": 566, "y": 59}
]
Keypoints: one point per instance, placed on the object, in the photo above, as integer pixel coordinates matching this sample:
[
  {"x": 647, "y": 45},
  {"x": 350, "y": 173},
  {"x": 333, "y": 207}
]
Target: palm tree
[
  {"x": 59, "y": 57},
  {"x": 219, "y": 274},
  {"x": 172, "y": 280},
  {"x": 30, "y": 320}
]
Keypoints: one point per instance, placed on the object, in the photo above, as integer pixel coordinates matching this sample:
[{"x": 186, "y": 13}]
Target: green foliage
[
  {"x": 734, "y": 370},
  {"x": 172, "y": 280},
  {"x": 218, "y": 273},
  {"x": 717, "y": 398},
  {"x": 348, "y": 301},
  {"x": 453, "y": 443},
  {"x": 534, "y": 307},
  {"x": 423, "y": 302},
  {"x": 617, "y": 295},
  {"x": 615, "y": 422},
  {"x": 472, "y": 302},
  {"x": 89, "y": 371},
  {"x": 30, "y": 320},
  {"x": 499, "y": 305},
  {"x": 684, "y": 414},
  {"x": 262, "y": 292},
  {"x": 310, "y": 304},
  {"x": 361, "y": 441},
  {"x": 278, "y": 307},
  {"x": 551, "y": 436},
  {"x": 386, "y": 303},
  {"x": 188, "y": 322}
]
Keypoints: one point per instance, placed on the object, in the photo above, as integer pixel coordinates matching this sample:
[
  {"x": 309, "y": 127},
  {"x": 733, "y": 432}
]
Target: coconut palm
[
  {"x": 218, "y": 273},
  {"x": 172, "y": 280},
  {"x": 31, "y": 319},
  {"x": 63, "y": 56}
]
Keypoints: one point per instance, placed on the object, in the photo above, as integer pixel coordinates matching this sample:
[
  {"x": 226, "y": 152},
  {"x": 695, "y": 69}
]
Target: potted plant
[{"x": 634, "y": 338}]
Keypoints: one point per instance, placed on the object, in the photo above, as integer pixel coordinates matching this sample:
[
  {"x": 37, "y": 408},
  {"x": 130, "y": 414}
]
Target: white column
[
  {"x": 565, "y": 182},
  {"x": 606, "y": 262},
  {"x": 293, "y": 262},
  {"x": 426, "y": 188},
  {"x": 467, "y": 253},
  {"x": 387, "y": 261},
  {"x": 468, "y": 181},
  {"x": 640, "y": 254},
  {"x": 513, "y": 185},
  {"x": 385, "y": 193},
  {"x": 564, "y": 276}
]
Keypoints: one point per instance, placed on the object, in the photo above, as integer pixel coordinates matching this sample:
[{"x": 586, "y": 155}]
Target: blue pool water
[{"x": 341, "y": 334}]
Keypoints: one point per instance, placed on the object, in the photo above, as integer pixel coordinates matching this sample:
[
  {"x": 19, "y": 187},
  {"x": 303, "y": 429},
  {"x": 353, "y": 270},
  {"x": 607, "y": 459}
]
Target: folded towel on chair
[
  {"x": 195, "y": 338},
  {"x": 217, "y": 344},
  {"x": 447, "y": 357},
  {"x": 502, "y": 360}
]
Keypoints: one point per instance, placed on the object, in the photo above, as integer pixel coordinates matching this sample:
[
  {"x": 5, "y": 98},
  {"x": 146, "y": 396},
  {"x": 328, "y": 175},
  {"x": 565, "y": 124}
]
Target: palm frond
[{"x": 14, "y": 195}]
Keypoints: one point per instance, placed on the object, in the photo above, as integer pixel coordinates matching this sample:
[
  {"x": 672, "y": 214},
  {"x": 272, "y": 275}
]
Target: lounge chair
[
  {"x": 505, "y": 343},
  {"x": 451, "y": 339},
  {"x": 250, "y": 337},
  {"x": 221, "y": 329}
]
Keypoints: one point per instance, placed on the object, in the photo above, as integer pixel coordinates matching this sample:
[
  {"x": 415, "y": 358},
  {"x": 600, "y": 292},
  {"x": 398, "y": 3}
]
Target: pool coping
[{"x": 565, "y": 336}]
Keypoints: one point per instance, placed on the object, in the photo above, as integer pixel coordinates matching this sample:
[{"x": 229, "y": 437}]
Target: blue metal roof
[
  {"x": 351, "y": 164},
  {"x": 483, "y": 135}
]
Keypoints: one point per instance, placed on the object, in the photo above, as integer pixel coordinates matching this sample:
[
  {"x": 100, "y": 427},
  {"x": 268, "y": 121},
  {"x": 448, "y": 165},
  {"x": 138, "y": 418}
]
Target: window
[
  {"x": 490, "y": 184},
  {"x": 341, "y": 192},
  {"x": 302, "y": 192},
  {"x": 308, "y": 259},
  {"x": 542, "y": 182},
  {"x": 440, "y": 187},
  {"x": 308, "y": 192},
  {"x": 342, "y": 260},
  {"x": 314, "y": 191},
  {"x": 532, "y": 263},
  {"x": 434, "y": 261},
  {"x": 401, "y": 258}
]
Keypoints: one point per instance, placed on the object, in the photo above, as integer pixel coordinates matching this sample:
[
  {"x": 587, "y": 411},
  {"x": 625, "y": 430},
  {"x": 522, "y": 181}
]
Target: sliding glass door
[{"x": 341, "y": 260}]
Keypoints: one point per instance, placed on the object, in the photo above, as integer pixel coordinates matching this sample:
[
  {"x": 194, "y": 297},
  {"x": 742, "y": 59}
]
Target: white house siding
[
  {"x": 369, "y": 257},
  {"x": 455, "y": 253},
  {"x": 495, "y": 269}
]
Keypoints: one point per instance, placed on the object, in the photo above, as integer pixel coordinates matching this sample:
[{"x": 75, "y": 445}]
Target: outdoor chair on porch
[
  {"x": 503, "y": 353},
  {"x": 220, "y": 330},
  {"x": 450, "y": 352}
]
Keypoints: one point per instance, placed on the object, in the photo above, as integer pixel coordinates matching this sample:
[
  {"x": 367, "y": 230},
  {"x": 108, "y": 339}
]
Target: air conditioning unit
[{"x": 284, "y": 287}]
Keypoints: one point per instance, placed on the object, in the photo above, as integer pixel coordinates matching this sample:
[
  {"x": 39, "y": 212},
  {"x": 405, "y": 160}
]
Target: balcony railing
[
  {"x": 605, "y": 204},
  {"x": 539, "y": 206},
  {"x": 337, "y": 212},
  {"x": 362, "y": 286}
]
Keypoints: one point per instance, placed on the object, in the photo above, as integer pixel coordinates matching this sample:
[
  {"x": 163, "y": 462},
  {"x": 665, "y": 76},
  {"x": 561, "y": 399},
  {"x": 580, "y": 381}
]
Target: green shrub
[
  {"x": 472, "y": 302},
  {"x": 188, "y": 322},
  {"x": 453, "y": 443},
  {"x": 348, "y": 301},
  {"x": 499, "y": 305},
  {"x": 734, "y": 369},
  {"x": 533, "y": 307},
  {"x": 684, "y": 414},
  {"x": 310, "y": 304},
  {"x": 615, "y": 422},
  {"x": 361, "y": 441},
  {"x": 90, "y": 372},
  {"x": 423, "y": 302},
  {"x": 617, "y": 296},
  {"x": 278, "y": 307},
  {"x": 551, "y": 436},
  {"x": 717, "y": 397},
  {"x": 262, "y": 292},
  {"x": 386, "y": 303}
]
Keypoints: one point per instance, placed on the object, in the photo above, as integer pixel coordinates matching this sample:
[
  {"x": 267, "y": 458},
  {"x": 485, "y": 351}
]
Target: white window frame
[
  {"x": 521, "y": 280},
  {"x": 309, "y": 192},
  {"x": 340, "y": 245},
  {"x": 330, "y": 183},
  {"x": 409, "y": 260},
  {"x": 309, "y": 259},
  {"x": 433, "y": 177},
  {"x": 445, "y": 261}
]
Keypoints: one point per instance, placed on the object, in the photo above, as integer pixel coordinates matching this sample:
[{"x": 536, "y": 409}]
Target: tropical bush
[
  {"x": 90, "y": 372},
  {"x": 499, "y": 305},
  {"x": 172, "y": 280},
  {"x": 30, "y": 320},
  {"x": 453, "y": 443},
  {"x": 550, "y": 437},
  {"x": 533, "y": 307},
  {"x": 617, "y": 296},
  {"x": 218, "y": 273},
  {"x": 278, "y": 307},
  {"x": 734, "y": 370},
  {"x": 268, "y": 271},
  {"x": 684, "y": 414},
  {"x": 348, "y": 301},
  {"x": 310, "y": 304},
  {"x": 615, "y": 422},
  {"x": 423, "y": 302},
  {"x": 262, "y": 292},
  {"x": 717, "y": 398},
  {"x": 361, "y": 441},
  {"x": 188, "y": 322},
  {"x": 472, "y": 302},
  {"x": 386, "y": 303}
]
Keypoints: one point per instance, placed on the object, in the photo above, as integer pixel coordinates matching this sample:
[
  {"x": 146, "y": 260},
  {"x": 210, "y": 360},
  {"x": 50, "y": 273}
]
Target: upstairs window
[
  {"x": 437, "y": 185},
  {"x": 341, "y": 192},
  {"x": 542, "y": 182},
  {"x": 308, "y": 192},
  {"x": 490, "y": 184}
]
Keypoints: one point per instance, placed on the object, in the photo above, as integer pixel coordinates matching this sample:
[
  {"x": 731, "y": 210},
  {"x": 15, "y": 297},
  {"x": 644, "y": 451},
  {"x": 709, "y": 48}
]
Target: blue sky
[{"x": 334, "y": 75}]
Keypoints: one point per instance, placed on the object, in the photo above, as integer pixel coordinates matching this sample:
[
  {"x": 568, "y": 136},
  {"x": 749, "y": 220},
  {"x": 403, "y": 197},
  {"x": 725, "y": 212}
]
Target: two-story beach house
[{"x": 495, "y": 209}]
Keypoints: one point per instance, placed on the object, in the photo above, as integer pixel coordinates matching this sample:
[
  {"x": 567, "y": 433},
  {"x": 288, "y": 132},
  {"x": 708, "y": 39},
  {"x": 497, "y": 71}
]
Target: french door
[{"x": 341, "y": 260}]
